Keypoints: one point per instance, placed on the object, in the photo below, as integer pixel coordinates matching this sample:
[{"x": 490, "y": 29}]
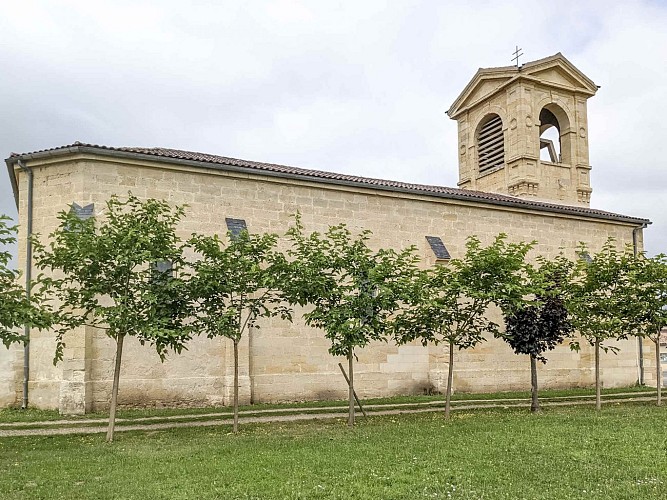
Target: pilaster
[{"x": 75, "y": 387}]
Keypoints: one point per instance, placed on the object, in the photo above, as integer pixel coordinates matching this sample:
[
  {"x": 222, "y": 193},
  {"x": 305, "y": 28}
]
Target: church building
[{"x": 523, "y": 170}]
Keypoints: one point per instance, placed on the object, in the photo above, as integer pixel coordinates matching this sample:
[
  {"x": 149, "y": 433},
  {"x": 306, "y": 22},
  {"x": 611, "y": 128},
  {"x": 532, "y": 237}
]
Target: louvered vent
[{"x": 490, "y": 144}]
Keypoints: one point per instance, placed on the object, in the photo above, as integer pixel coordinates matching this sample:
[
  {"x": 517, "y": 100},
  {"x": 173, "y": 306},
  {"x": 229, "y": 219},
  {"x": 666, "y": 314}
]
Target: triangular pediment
[
  {"x": 557, "y": 76},
  {"x": 485, "y": 87},
  {"x": 554, "y": 71},
  {"x": 558, "y": 70}
]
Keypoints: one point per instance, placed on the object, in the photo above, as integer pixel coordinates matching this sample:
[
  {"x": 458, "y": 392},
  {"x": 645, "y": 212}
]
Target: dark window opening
[
  {"x": 161, "y": 270},
  {"x": 585, "y": 256},
  {"x": 438, "y": 247},
  {"x": 235, "y": 226},
  {"x": 85, "y": 212}
]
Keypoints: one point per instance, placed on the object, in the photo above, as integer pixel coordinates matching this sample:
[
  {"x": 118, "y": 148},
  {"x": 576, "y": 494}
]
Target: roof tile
[{"x": 426, "y": 189}]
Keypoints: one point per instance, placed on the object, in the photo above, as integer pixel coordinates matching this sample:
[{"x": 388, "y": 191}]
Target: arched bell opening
[
  {"x": 554, "y": 141},
  {"x": 549, "y": 137}
]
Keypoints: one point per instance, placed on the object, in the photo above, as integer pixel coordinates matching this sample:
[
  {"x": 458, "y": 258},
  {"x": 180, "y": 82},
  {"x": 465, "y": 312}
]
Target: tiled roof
[{"x": 215, "y": 161}]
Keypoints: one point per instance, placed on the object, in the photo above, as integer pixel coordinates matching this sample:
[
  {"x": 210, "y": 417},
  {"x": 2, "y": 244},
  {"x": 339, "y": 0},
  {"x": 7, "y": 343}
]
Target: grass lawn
[{"x": 574, "y": 452}]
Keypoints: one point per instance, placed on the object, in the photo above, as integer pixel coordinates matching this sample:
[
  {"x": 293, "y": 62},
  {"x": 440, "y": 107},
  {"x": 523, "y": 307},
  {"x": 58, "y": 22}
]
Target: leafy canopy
[
  {"x": 107, "y": 273},
  {"x": 449, "y": 303},
  {"x": 598, "y": 291},
  {"x": 236, "y": 282},
  {"x": 646, "y": 295},
  {"x": 15, "y": 308},
  {"x": 353, "y": 289}
]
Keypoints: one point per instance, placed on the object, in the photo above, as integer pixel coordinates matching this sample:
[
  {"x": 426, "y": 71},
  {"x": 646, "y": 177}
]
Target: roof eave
[
  {"x": 514, "y": 203},
  {"x": 13, "y": 160},
  {"x": 12, "y": 181},
  {"x": 453, "y": 108}
]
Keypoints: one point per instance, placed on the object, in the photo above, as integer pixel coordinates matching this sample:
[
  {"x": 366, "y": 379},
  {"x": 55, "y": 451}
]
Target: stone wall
[
  {"x": 284, "y": 361},
  {"x": 650, "y": 361}
]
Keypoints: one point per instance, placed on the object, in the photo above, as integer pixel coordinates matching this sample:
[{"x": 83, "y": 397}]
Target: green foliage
[
  {"x": 353, "y": 290},
  {"x": 103, "y": 274},
  {"x": 443, "y": 309},
  {"x": 235, "y": 283},
  {"x": 598, "y": 300},
  {"x": 502, "y": 267},
  {"x": 448, "y": 303},
  {"x": 598, "y": 291},
  {"x": 645, "y": 301},
  {"x": 15, "y": 309}
]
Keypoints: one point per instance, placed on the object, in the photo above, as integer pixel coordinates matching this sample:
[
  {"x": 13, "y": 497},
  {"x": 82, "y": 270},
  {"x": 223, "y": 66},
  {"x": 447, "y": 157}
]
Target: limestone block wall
[
  {"x": 11, "y": 375},
  {"x": 650, "y": 363},
  {"x": 284, "y": 361}
]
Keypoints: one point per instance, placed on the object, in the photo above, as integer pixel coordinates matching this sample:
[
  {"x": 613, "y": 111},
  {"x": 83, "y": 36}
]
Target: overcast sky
[{"x": 359, "y": 87}]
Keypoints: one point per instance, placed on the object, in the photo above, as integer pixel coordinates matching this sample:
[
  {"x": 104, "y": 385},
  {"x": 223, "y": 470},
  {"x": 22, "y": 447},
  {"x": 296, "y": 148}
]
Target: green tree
[
  {"x": 597, "y": 305},
  {"x": 449, "y": 303},
  {"x": 234, "y": 284},
  {"x": 115, "y": 274},
  {"x": 646, "y": 304},
  {"x": 16, "y": 309},
  {"x": 353, "y": 290},
  {"x": 542, "y": 322}
]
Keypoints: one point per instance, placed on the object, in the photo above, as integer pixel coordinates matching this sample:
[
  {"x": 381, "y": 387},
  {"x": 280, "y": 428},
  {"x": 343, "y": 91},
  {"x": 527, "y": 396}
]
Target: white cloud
[{"x": 359, "y": 87}]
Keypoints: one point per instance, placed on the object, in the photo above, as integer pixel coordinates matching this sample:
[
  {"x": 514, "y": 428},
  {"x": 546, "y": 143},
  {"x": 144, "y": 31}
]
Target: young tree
[
  {"x": 645, "y": 304},
  {"x": 541, "y": 323},
  {"x": 234, "y": 284},
  {"x": 115, "y": 274},
  {"x": 353, "y": 290},
  {"x": 16, "y": 309},
  {"x": 597, "y": 305},
  {"x": 449, "y": 303}
]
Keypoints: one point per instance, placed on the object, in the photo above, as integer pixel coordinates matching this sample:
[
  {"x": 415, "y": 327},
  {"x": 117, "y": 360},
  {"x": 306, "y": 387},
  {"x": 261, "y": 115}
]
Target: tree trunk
[
  {"x": 236, "y": 386},
  {"x": 598, "y": 402},
  {"x": 114, "y": 387},
  {"x": 450, "y": 380},
  {"x": 658, "y": 370},
  {"x": 534, "y": 401},
  {"x": 350, "y": 372}
]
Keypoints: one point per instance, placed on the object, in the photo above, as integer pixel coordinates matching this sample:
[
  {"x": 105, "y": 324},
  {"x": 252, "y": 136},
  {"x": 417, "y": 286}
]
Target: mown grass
[
  {"x": 34, "y": 415},
  {"x": 618, "y": 453}
]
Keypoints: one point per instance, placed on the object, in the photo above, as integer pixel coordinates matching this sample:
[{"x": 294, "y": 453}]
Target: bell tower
[{"x": 523, "y": 131}]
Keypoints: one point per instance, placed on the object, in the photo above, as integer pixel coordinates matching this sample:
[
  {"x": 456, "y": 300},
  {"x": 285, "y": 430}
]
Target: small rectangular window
[
  {"x": 585, "y": 256},
  {"x": 235, "y": 226},
  {"x": 161, "y": 269},
  {"x": 438, "y": 247},
  {"x": 85, "y": 212}
]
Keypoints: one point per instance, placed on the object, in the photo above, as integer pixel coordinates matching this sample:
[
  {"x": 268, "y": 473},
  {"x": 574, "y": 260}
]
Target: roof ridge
[{"x": 480, "y": 196}]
